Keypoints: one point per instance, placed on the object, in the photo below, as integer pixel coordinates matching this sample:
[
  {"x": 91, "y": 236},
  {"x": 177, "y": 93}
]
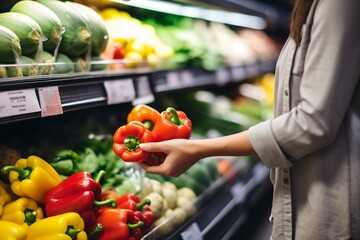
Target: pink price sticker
[{"x": 50, "y": 101}]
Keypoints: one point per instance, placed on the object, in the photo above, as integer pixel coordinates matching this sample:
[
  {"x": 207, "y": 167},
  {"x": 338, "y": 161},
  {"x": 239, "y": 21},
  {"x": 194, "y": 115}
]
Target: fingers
[
  {"x": 151, "y": 147},
  {"x": 152, "y": 169}
]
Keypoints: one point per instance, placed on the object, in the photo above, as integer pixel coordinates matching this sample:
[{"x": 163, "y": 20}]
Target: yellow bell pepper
[
  {"x": 4, "y": 198},
  {"x": 23, "y": 211},
  {"x": 12, "y": 231},
  {"x": 67, "y": 226},
  {"x": 32, "y": 177}
]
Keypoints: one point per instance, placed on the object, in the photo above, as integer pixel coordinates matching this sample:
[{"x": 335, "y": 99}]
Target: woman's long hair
[{"x": 298, "y": 18}]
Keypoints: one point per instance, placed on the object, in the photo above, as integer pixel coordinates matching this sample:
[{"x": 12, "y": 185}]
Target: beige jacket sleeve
[{"x": 328, "y": 68}]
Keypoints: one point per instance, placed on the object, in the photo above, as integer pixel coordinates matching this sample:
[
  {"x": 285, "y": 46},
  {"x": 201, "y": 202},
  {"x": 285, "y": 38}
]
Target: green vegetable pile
[{"x": 96, "y": 154}]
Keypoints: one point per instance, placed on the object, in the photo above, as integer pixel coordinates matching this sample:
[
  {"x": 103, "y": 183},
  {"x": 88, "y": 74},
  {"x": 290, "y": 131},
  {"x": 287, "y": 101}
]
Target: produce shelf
[
  {"x": 224, "y": 207},
  {"x": 86, "y": 90}
]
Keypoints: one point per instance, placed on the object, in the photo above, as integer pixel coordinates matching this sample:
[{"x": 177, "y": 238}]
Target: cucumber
[
  {"x": 76, "y": 39},
  {"x": 27, "y": 30},
  {"x": 10, "y": 48},
  {"x": 80, "y": 65},
  {"x": 47, "y": 63},
  {"x": 99, "y": 33},
  {"x": 28, "y": 66},
  {"x": 14, "y": 71},
  {"x": 49, "y": 22},
  {"x": 3, "y": 73},
  {"x": 65, "y": 64},
  {"x": 97, "y": 65}
]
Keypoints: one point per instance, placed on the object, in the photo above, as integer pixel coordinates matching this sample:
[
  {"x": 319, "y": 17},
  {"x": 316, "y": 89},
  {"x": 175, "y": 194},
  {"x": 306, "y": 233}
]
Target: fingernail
[{"x": 142, "y": 145}]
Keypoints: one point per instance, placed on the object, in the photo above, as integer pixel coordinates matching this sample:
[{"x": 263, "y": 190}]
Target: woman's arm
[{"x": 181, "y": 154}]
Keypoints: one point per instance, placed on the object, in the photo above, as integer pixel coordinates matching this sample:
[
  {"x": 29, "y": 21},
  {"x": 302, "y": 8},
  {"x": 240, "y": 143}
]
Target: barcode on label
[{"x": 17, "y": 98}]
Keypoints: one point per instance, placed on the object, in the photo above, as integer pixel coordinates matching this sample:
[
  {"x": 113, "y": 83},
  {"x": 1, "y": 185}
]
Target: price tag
[
  {"x": 222, "y": 76},
  {"x": 173, "y": 79},
  {"x": 238, "y": 73},
  {"x": 187, "y": 77},
  {"x": 119, "y": 91},
  {"x": 192, "y": 233},
  {"x": 144, "y": 93},
  {"x": 252, "y": 69},
  {"x": 238, "y": 190},
  {"x": 18, "y": 102},
  {"x": 50, "y": 101}
]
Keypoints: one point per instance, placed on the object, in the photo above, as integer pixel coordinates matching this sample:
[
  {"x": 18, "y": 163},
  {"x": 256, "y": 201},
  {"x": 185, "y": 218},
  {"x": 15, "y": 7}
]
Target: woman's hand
[{"x": 180, "y": 155}]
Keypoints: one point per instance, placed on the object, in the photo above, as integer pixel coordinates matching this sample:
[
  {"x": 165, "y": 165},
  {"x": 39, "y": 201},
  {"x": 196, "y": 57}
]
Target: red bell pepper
[
  {"x": 78, "y": 193},
  {"x": 127, "y": 139},
  {"x": 174, "y": 124},
  {"x": 145, "y": 114},
  {"x": 117, "y": 224},
  {"x": 140, "y": 208}
]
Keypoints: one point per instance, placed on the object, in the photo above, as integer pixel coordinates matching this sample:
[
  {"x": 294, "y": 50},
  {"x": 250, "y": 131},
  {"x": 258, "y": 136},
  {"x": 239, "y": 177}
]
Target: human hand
[{"x": 180, "y": 155}]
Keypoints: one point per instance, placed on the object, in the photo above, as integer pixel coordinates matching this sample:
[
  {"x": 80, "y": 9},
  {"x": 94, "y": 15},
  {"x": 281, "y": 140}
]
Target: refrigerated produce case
[{"x": 96, "y": 103}]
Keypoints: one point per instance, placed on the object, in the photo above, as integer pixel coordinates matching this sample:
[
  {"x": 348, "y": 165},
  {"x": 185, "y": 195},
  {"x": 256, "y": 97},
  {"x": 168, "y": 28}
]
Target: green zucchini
[
  {"x": 76, "y": 39},
  {"x": 49, "y": 22},
  {"x": 3, "y": 73},
  {"x": 10, "y": 49},
  {"x": 28, "y": 66},
  {"x": 14, "y": 71},
  {"x": 99, "y": 33},
  {"x": 97, "y": 64},
  {"x": 80, "y": 65},
  {"x": 46, "y": 63},
  {"x": 200, "y": 174},
  {"x": 63, "y": 64},
  {"x": 27, "y": 30}
]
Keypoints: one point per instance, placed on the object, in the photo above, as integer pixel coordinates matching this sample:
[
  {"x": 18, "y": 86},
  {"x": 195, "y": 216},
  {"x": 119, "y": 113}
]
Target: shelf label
[
  {"x": 238, "y": 73},
  {"x": 173, "y": 79},
  {"x": 252, "y": 69},
  {"x": 50, "y": 101},
  {"x": 18, "y": 102},
  {"x": 192, "y": 233},
  {"x": 238, "y": 190},
  {"x": 187, "y": 77},
  {"x": 143, "y": 91},
  {"x": 222, "y": 76},
  {"x": 119, "y": 91}
]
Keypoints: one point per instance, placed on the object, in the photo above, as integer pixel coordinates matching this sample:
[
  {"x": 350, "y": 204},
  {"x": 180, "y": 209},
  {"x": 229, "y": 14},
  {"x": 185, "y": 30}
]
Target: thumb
[{"x": 149, "y": 147}]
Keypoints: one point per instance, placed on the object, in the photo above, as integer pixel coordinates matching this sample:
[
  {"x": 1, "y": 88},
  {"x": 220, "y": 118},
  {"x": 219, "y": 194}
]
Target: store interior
[{"x": 214, "y": 60}]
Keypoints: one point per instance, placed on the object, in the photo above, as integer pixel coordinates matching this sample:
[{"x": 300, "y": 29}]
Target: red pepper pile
[
  {"x": 106, "y": 215},
  {"x": 146, "y": 124}
]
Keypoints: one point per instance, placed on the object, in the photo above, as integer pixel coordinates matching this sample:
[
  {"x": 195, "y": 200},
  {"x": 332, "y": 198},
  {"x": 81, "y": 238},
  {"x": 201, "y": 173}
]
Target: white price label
[
  {"x": 238, "y": 190},
  {"x": 119, "y": 91},
  {"x": 252, "y": 69},
  {"x": 18, "y": 102},
  {"x": 192, "y": 233},
  {"x": 222, "y": 76},
  {"x": 173, "y": 79},
  {"x": 187, "y": 77},
  {"x": 238, "y": 73},
  {"x": 50, "y": 101}
]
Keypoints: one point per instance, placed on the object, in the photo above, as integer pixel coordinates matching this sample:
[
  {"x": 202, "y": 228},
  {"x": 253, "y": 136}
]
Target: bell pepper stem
[
  {"x": 141, "y": 204},
  {"x": 174, "y": 117},
  {"x": 131, "y": 143},
  {"x": 98, "y": 229},
  {"x": 101, "y": 174},
  {"x": 108, "y": 202},
  {"x": 30, "y": 216},
  {"x": 24, "y": 173},
  {"x": 72, "y": 232},
  {"x": 139, "y": 224}
]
